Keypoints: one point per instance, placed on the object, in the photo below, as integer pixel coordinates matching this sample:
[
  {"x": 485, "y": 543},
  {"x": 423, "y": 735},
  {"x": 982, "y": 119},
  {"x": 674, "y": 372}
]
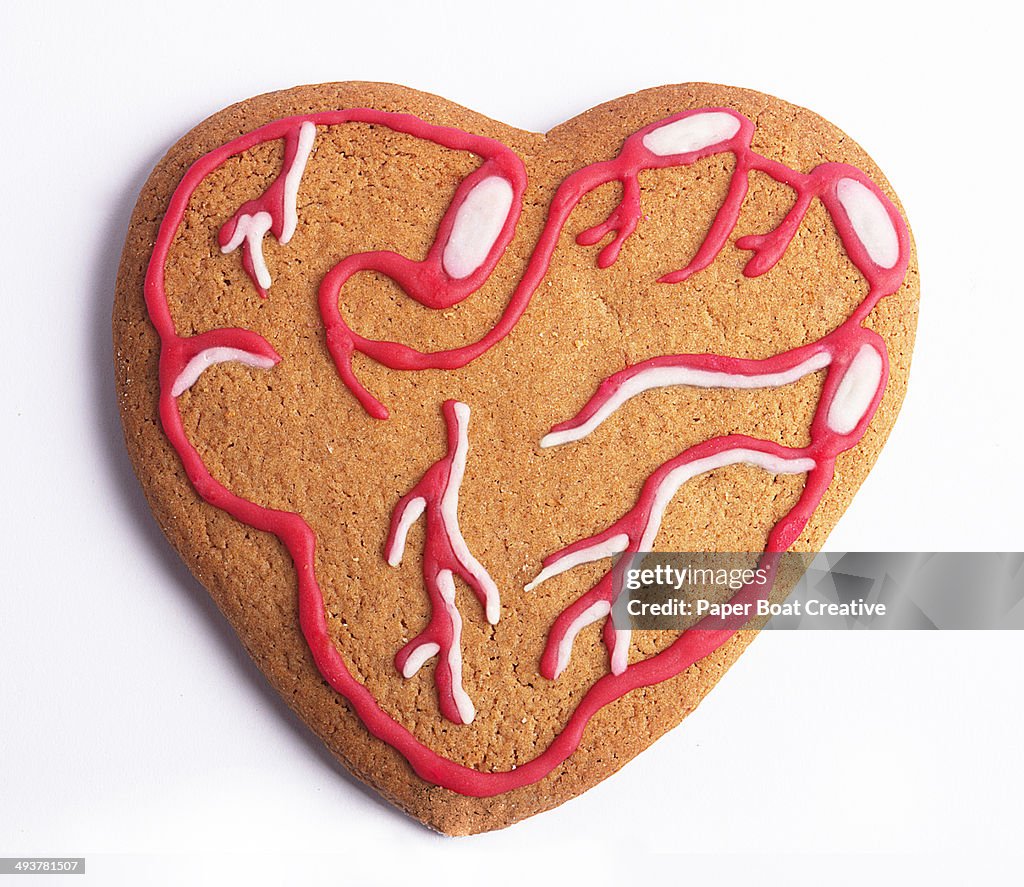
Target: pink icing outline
[{"x": 422, "y": 282}]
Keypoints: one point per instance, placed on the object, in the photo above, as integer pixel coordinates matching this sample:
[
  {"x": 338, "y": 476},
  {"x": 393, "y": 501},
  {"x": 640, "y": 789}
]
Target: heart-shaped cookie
[{"x": 400, "y": 381}]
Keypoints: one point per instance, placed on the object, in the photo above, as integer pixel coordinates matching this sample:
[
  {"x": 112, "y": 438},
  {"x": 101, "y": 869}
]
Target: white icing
[
  {"x": 450, "y": 515},
  {"x": 418, "y": 657},
  {"x": 620, "y": 652},
  {"x": 855, "y": 391},
  {"x": 591, "y": 614},
  {"x": 870, "y": 221},
  {"x": 691, "y": 133},
  {"x": 410, "y": 514},
  {"x": 478, "y": 223},
  {"x": 663, "y": 377},
  {"x": 463, "y": 703},
  {"x": 678, "y": 476},
  {"x": 307, "y": 134},
  {"x": 252, "y": 230},
  {"x": 608, "y": 548},
  {"x": 208, "y": 357}
]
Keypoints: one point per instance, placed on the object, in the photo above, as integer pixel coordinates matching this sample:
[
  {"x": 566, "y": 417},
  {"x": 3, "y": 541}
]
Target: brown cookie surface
[{"x": 294, "y": 439}]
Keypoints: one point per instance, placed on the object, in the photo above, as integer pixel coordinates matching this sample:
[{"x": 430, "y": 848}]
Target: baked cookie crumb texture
[{"x": 401, "y": 382}]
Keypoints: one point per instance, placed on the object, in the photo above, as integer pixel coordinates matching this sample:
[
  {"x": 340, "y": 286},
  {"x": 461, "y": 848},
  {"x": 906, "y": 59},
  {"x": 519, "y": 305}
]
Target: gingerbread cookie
[{"x": 400, "y": 382}]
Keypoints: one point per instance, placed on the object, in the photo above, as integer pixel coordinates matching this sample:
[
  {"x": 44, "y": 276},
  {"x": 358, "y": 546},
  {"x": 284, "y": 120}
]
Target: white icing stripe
[
  {"x": 252, "y": 229},
  {"x": 418, "y": 657},
  {"x": 208, "y": 357},
  {"x": 608, "y": 548},
  {"x": 855, "y": 391},
  {"x": 450, "y": 515},
  {"x": 664, "y": 377},
  {"x": 467, "y": 711},
  {"x": 870, "y": 221},
  {"x": 677, "y": 477},
  {"x": 691, "y": 133},
  {"x": 620, "y": 654},
  {"x": 588, "y": 616},
  {"x": 307, "y": 134},
  {"x": 478, "y": 223},
  {"x": 411, "y": 514}
]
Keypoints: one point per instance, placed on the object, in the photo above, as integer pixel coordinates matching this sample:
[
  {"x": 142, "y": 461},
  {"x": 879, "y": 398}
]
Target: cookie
[{"x": 400, "y": 382}]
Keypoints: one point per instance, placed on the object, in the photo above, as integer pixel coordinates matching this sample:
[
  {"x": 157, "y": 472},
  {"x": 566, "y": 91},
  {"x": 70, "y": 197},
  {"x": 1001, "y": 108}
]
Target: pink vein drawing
[{"x": 471, "y": 238}]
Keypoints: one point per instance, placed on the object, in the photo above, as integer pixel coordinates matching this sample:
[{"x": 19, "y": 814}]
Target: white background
[{"x": 135, "y": 731}]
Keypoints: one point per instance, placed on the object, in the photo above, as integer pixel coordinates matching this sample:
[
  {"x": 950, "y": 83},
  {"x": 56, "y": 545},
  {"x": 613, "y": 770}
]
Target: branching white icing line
[
  {"x": 856, "y": 390},
  {"x": 667, "y": 376},
  {"x": 307, "y": 135},
  {"x": 608, "y": 548},
  {"x": 667, "y": 492},
  {"x": 279, "y": 204},
  {"x": 478, "y": 222},
  {"x": 467, "y": 711},
  {"x": 870, "y": 222},
  {"x": 252, "y": 230},
  {"x": 446, "y": 555},
  {"x": 208, "y": 357},
  {"x": 450, "y": 513},
  {"x": 641, "y": 537},
  {"x": 692, "y": 133}
]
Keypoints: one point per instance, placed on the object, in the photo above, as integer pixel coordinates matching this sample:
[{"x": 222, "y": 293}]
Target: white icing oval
[
  {"x": 478, "y": 223},
  {"x": 692, "y": 133},
  {"x": 870, "y": 222},
  {"x": 855, "y": 391}
]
